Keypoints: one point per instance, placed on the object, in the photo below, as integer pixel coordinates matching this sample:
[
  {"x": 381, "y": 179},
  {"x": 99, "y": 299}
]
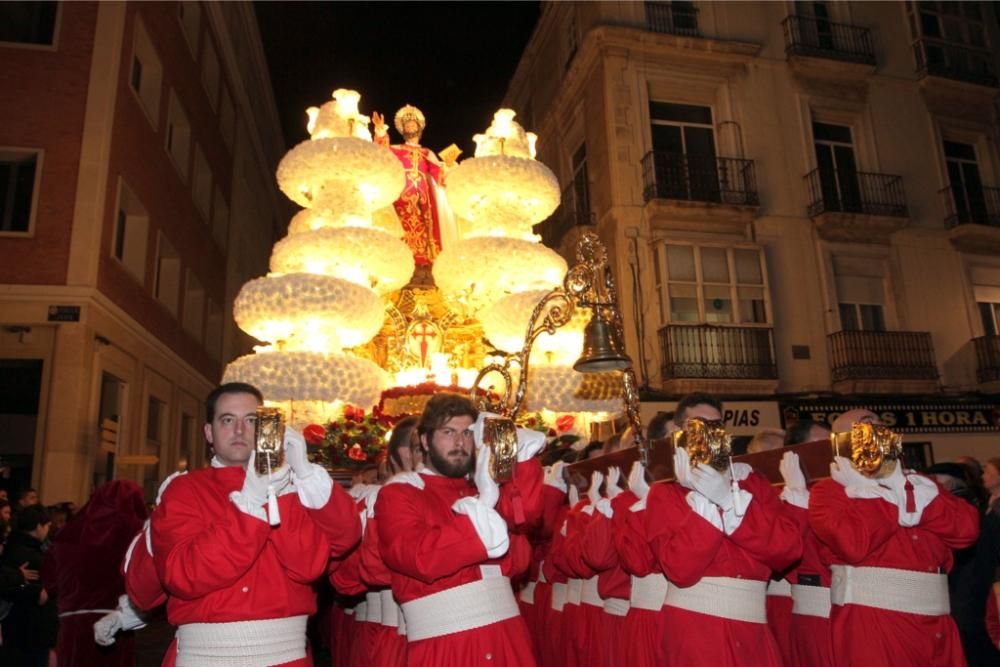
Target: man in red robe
[
  {"x": 451, "y": 546},
  {"x": 239, "y": 588},
  {"x": 889, "y": 537},
  {"x": 421, "y": 206},
  {"x": 717, "y": 536}
]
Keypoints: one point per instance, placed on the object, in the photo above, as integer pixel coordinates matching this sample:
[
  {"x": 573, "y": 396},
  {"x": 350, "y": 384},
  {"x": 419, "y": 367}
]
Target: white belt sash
[
  {"x": 811, "y": 600},
  {"x": 779, "y": 588},
  {"x": 528, "y": 593},
  {"x": 574, "y": 591},
  {"x": 616, "y": 606},
  {"x": 589, "y": 594},
  {"x": 648, "y": 592},
  {"x": 559, "y": 593},
  {"x": 473, "y": 605},
  {"x": 389, "y": 608},
  {"x": 924, "y": 593},
  {"x": 373, "y": 603},
  {"x": 242, "y": 643},
  {"x": 722, "y": 597}
]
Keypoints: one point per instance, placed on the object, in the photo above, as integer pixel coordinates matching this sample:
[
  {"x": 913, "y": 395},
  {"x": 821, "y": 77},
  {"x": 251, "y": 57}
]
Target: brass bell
[{"x": 602, "y": 350}]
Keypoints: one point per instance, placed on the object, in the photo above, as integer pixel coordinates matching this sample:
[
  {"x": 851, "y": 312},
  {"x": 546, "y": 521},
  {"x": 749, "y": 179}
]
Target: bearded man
[{"x": 451, "y": 543}]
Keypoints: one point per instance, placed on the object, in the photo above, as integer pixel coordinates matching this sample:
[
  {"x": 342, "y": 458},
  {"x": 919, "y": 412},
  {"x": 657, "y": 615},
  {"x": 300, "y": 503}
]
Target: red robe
[
  {"x": 613, "y": 583},
  {"x": 388, "y": 646},
  {"x": 644, "y": 638},
  {"x": 688, "y": 548},
  {"x": 82, "y": 572},
  {"x": 810, "y": 637},
  {"x": 417, "y": 204},
  {"x": 866, "y": 532},
  {"x": 429, "y": 548},
  {"x": 537, "y": 614},
  {"x": 218, "y": 564},
  {"x": 588, "y": 640}
]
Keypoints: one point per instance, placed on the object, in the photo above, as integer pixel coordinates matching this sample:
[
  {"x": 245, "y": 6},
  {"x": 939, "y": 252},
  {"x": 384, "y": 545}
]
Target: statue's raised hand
[{"x": 378, "y": 120}]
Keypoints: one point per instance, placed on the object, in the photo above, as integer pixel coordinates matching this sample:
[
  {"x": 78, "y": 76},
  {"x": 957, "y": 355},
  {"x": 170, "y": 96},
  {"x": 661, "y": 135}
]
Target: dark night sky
[{"x": 452, "y": 60}]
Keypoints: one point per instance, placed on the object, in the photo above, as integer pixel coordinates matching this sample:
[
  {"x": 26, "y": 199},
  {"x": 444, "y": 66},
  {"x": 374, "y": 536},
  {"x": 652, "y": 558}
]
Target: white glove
[
  {"x": 529, "y": 443},
  {"x": 612, "y": 488},
  {"x": 574, "y": 495},
  {"x": 604, "y": 507},
  {"x": 637, "y": 480},
  {"x": 489, "y": 490},
  {"x": 412, "y": 478},
  {"x": 704, "y": 508},
  {"x": 554, "y": 476},
  {"x": 489, "y": 525},
  {"x": 594, "y": 491},
  {"x": 857, "y": 485},
  {"x": 682, "y": 468},
  {"x": 124, "y": 618},
  {"x": 312, "y": 481},
  {"x": 252, "y": 497},
  {"x": 710, "y": 483},
  {"x": 795, "y": 492}
]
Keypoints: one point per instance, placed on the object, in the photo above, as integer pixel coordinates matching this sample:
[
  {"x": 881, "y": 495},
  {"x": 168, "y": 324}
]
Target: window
[
  {"x": 986, "y": 291},
  {"x": 220, "y": 220},
  {"x": 178, "y": 137},
  {"x": 990, "y": 314},
  {"x": 711, "y": 284},
  {"x": 201, "y": 184},
  {"x": 167, "y": 280},
  {"x": 189, "y": 14},
  {"x": 131, "y": 229},
  {"x": 967, "y": 193},
  {"x": 28, "y": 22},
  {"x": 19, "y": 179},
  {"x": 227, "y": 117},
  {"x": 676, "y": 18},
  {"x": 838, "y": 174},
  {"x": 950, "y": 39},
  {"x": 155, "y": 413},
  {"x": 862, "y": 317},
  {"x": 194, "y": 306},
  {"x": 145, "y": 73},
  {"x": 684, "y": 149},
  {"x": 861, "y": 292}
]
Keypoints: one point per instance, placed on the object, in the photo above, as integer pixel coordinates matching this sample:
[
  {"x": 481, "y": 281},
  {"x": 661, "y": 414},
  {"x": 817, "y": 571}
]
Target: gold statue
[
  {"x": 705, "y": 442},
  {"x": 872, "y": 448}
]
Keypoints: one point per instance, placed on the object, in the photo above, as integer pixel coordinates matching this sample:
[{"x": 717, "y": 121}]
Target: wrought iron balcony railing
[
  {"x": 975, "y": 206},
  {"x": 987, "y": 358},
  {"x": 569, "y": 214},
  {"x": 717, "y": 352},
  {"x": 954, "y": 61},
  {"x": 882, "y": 355},
  {"x": 821, "y": 38},
  {"x": 849, "y": 191},
  {"x": 672, "y": 18},
  {"x": 722, "y": 180}
]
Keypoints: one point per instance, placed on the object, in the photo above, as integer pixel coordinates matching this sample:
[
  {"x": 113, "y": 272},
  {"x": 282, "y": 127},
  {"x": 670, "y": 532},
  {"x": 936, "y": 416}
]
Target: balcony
[
  {"x": 882, "y": 362},
  {"x": 987, "y": 359},
  {"x": 672, "y": 18},
  {"x": 972, "y": 214},
  {"x": 717, "y": 358},
  {"x": 819, "y": 38},
  {"x": 856, "y": 206},
  {"x": 699, "y": 193},
  {"x": 949, "y": 60},
  {"x": 567, "y": 217}
]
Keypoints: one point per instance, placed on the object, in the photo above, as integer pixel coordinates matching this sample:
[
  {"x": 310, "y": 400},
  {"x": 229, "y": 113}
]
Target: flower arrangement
[{"x": 353, "y": 441}]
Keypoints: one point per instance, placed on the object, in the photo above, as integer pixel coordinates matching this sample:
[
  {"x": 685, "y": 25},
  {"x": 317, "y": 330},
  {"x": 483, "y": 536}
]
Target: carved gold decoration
[
  {"x": 706, "y": 442},
  {"x": 872, "y": 448}
]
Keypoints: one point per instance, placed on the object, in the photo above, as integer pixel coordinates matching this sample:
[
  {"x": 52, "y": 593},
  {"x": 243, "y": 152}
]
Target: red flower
[
  {"x": 345, "y": 438},
  {"x": 314, "y": 434},
  {"x": 356, "y": 453},
  {"x": 565, "y": 423},
  {"x": 353, "y": 414}
]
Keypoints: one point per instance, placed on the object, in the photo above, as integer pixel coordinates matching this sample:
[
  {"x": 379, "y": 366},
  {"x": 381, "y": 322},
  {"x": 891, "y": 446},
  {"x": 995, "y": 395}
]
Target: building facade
[
  {"x": 137, "y": 143},
  {"x": 801, "y": 199}
]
